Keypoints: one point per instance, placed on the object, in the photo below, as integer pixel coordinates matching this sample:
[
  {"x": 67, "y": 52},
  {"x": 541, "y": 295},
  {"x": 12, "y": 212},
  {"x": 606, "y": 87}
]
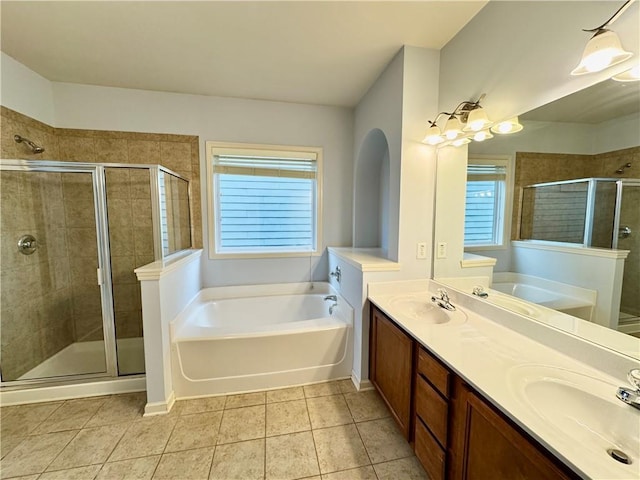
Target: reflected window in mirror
[{"x": 486, "y": 202}]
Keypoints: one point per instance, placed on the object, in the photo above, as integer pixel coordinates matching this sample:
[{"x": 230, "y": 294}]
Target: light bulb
[
  {"x": 482, "y": 135},
  {"x": 452, "y": 128},
  {"x": 508, "y": 126},
  {"x": 460, "y": 141},
  {"x": 477, "y": 120},
  {"x": 433, "y": 135}
]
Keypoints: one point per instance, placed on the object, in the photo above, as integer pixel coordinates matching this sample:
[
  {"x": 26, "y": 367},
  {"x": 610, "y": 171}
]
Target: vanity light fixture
[
  {"x": 631, "y": 75},
  {"x": 604, "y": 49},
  {"x": 468, "y": 121}
]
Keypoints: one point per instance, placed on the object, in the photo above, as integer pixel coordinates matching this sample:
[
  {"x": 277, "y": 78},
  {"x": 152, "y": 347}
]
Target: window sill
[{"x": 247, "y": 256}]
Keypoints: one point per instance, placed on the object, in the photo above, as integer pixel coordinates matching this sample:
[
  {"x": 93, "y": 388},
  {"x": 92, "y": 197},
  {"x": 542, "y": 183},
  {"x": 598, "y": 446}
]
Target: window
[
  {"x": 264, "y": 200},
  {"x": 485, "y": 202}
]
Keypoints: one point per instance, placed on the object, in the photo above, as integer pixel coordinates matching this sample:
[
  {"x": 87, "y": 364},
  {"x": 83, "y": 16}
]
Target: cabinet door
[
  {"x": 391, "y": 359},
  {"x": 486, "y": 445}
]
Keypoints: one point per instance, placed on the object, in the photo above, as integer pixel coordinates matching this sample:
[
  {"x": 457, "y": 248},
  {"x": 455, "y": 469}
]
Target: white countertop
[
  {"x": 489, "y": 356},
  {"x": 366, "y": 259}
]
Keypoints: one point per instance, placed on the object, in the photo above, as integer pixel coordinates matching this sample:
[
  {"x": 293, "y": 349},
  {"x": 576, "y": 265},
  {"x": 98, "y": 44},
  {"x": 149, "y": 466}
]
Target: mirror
[
  {"x": 174, "y": 213},
  {"x": 570, "y": 146}
]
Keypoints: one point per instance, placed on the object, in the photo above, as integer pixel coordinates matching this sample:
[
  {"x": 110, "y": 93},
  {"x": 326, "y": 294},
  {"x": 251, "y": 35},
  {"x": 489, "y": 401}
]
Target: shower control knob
[{"x": 27, "y": 244}]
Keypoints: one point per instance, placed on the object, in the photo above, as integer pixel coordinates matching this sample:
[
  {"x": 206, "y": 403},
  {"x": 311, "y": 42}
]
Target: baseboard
[
  {"x": 159, "y": 408},
  {"x": 360, "y": 384}
]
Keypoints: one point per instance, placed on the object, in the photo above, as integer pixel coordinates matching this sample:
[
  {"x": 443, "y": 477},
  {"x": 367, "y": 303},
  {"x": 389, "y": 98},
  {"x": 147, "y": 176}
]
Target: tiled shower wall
[
  {"x": 534, "y": 168},
  {"x": 128, "y": 219}
]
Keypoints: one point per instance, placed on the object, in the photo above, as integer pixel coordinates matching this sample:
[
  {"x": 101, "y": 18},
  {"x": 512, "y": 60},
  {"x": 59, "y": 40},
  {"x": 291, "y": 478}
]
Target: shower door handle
[{"x": 624, "y": 232}]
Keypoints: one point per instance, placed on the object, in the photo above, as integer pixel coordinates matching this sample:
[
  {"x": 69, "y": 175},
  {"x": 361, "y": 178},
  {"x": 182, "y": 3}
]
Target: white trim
[
  {"x": 470, "y": 260},
  {"x": 287, "y": 151},
  {"x": 79, "y": 390},
  {"x": 366, "y": 259},
  {"x": 572, "y": 248},
  {"x": 159, "y": 408},
  {"x": 160, "y": 268}
]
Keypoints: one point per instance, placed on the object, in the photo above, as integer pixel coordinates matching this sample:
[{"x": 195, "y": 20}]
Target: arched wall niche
[{"x": 371, "y": 193}]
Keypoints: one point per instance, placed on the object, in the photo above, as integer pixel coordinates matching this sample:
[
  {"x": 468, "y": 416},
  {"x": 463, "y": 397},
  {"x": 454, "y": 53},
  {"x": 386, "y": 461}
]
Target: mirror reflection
[
  {"x": 174, "y": 213},
  {"x": 562, "y": 219}
]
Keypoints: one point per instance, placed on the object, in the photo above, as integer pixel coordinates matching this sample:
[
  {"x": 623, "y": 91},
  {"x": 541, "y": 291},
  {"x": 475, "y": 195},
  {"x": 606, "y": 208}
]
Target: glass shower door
[
  {"x": 629, "y": 239},
  {"x": 51, "y": 314}
]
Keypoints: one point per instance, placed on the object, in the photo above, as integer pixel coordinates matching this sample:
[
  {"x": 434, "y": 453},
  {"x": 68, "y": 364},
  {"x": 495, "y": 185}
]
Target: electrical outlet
[
  {"x": 442, "y": 250},
  {"x": 421, "y": 250}
]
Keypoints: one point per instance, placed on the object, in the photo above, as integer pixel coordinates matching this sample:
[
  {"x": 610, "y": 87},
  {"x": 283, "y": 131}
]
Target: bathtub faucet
[
  {"x": 337, "y": 273},
  {"x": 334, "y": 299}
]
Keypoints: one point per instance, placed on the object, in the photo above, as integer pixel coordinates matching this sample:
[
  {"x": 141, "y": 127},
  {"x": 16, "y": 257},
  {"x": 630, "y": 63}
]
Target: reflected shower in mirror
[
  {"x": 174, "y": 213},
  {"x": 574, "y": 220}
]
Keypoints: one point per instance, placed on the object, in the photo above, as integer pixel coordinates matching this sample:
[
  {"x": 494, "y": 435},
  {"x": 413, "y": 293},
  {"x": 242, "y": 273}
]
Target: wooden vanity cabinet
[
  {"x": 486, "y": 444},
  {"x": 456, "y": 434},
  {"x": 391, "y": 366}
]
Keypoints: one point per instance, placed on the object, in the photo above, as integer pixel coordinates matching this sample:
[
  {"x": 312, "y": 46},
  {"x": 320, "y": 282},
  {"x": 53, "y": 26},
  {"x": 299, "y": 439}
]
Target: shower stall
[
  {"x": 71, "y": 235},
  {"x": 594, "y": 212}
]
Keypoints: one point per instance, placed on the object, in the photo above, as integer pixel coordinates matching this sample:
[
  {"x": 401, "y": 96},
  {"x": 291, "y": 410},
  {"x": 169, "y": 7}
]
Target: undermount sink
[
  {"x": 420, "y": 307},
  {"x": 583, "y": 410}
]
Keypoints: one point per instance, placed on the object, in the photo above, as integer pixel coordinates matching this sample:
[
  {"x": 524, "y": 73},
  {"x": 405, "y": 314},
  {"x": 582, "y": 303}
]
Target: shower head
[
  {"x": 34, "y": 148},
  {"x": 621, "y": 169}
]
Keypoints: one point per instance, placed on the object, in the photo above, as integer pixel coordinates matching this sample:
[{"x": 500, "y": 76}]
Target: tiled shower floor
[{"x": 324, "y": 431}]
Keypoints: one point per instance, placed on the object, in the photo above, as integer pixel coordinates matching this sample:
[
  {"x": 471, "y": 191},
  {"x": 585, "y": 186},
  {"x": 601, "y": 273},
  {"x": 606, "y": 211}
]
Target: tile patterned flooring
[{"x": 325, "y": 431}]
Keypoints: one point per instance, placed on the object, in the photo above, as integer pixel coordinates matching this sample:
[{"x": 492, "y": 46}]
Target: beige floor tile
[
  {"x": 362, "y": 473},
  {"x": 27, "y": 477},
  {"x": 405, "y": 468},
  {"x": 144, "y": 438},
  {"x": 287, "y": 417},
  {"x": 285, "y": 394},
  {"x": 245, "y": 400},
  {"x": 291, "y": 456},
  {"x": 200, "y": 405},
  {"x": 72, "y": 415},
  {"x": 187, "y": 465},
  {"x": 24, "y": 419},
  {"x": 383, "y": 440},
  {"x": 134, "y": 469},
  {"x": 242, "y": 424},
  {"x": 239, "y": 461},
  {"x": 347, "y": 386},
  {"x": 8, "y": 443},
  {"x": 366, "y": 406},
  {"x": 328, "y": 411},
  {"x": 90, "y": 446},
  {"x": 339, "y": 448},
  {"x": 80, "y": 473},
  {"x": 195, "y": 431},
  {"x": 34, "y": 454},
  {"x": 321, "y": 389},
  {"x": 118, "y": 409}
]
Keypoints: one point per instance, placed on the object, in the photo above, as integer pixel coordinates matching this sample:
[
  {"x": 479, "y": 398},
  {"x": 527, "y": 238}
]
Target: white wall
[
  {"x": 24, "y": 91},
  {"x": 231, "y": 120}
]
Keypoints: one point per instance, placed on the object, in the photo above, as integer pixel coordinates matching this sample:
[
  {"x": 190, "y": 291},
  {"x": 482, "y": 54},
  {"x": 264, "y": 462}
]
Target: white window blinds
[
  {"x": 484, "y": 204},
  {"x": 265, "y": 203}
]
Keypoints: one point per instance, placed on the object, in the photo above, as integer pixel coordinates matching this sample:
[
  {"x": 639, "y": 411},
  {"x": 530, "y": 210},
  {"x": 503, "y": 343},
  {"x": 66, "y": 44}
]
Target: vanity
[{"x": 477, "y": 399}]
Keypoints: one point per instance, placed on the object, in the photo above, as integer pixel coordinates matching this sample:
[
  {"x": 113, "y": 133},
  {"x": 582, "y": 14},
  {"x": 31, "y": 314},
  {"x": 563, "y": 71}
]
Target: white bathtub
[
  {"x": 558, "y": 296},
  {"x": 238, "y": 339}
]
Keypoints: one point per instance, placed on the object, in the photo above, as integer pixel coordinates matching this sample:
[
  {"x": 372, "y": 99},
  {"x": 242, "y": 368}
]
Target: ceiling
[
  {"x": 600, "y": 102},
  {"x": 325, "y": 53}
]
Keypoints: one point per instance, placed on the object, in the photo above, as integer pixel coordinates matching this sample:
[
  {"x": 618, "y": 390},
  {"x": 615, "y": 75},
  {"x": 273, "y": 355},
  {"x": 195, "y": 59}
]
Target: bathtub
[
  {"x": 239, "y": 339},
  {"x": 562, "y": 297}
]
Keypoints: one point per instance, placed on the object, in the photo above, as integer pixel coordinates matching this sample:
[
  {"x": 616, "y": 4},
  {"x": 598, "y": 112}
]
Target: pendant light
[
  {"x": 604, "y": 49},
  {"x": 452, "y": 128},
  {"x": 631, "y": 75},
  {"x": 508, "y": 126},
  {"x": 477, "y": 120}
]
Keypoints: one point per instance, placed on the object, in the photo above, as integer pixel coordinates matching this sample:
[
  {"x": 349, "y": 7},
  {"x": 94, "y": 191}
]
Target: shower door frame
[
  {"x": 103, "y": 274},
  {"x": 620, "y": 184}
]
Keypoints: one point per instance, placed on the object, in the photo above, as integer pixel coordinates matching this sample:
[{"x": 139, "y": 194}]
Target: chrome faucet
[
  {"x": 629, "y": 395},
  {"x": 337, "y": 273},
  {"x": 478, "y": 291},
  {"x": 443, "y": 300},
  {"x": 333, "y": 298}
]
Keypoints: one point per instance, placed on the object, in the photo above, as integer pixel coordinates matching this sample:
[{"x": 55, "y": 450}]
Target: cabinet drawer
[
  {"x": 430, "y": 454},
  {"x": 432, "y": 369},
  {"x": 432, "y": 409}
]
